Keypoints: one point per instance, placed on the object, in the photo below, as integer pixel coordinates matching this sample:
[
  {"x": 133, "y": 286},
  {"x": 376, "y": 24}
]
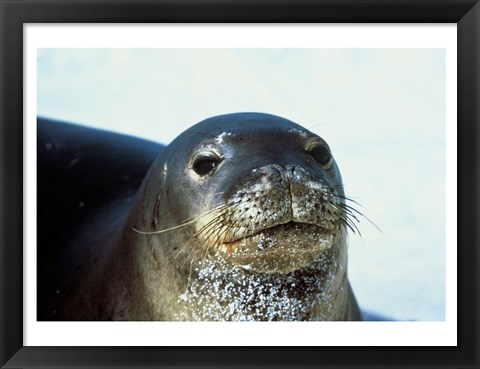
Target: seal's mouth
[
  {"x": 275, "y": 236},
  {"x": 281, "y": 248}
]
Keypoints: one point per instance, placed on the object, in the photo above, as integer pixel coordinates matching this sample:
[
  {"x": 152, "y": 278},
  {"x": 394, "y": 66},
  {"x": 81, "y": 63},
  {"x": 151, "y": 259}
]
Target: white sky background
[{"x": 382, "y": 111}]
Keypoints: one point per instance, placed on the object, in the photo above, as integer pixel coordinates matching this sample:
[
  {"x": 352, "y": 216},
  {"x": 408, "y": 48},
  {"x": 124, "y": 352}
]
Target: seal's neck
[{"x": 221, "y": 292}]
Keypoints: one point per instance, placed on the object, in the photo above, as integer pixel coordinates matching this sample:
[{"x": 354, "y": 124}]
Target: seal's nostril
[{"x": 292, "y": 170}]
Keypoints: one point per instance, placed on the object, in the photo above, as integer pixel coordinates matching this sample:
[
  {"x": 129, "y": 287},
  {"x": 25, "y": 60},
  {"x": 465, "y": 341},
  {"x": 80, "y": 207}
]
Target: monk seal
[{"x": 243, "y": 217}]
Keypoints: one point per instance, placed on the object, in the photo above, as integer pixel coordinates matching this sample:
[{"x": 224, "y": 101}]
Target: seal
[{"x": 243, "y": 217}]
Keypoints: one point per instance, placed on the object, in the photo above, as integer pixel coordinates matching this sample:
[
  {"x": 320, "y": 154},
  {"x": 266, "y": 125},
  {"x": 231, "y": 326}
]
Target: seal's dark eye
[
  {"x": 321, "y": 154},
  {"x": 205, "y": 165}
]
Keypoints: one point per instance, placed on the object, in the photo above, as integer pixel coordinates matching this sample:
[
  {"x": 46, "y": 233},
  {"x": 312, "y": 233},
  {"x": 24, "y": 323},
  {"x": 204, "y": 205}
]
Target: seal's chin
[{"x": 283, "y": 248}]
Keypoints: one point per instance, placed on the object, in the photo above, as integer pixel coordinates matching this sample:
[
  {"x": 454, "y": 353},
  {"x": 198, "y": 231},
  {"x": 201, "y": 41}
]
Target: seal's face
[{"x": 265, "y": 194}]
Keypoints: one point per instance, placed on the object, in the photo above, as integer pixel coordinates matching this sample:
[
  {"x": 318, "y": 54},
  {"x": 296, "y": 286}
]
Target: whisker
[
  {"x": 350, "y": 210},
  {"x": 194, "y": 236},
  {"x": 209, "y": 227},
  {"x": 349, "y": 199},
  {"x": 208, "y": 212},
  {"x": 350, "y": 224}
]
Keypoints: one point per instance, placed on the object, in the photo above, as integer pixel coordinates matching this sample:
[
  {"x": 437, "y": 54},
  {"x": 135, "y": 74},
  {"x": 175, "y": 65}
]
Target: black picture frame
[{"x": 15, "y": 13}]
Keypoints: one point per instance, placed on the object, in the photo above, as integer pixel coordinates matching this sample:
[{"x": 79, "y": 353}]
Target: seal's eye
[
  {"x": 205, "y": 165},
  {"x": 321, "y": 154}
]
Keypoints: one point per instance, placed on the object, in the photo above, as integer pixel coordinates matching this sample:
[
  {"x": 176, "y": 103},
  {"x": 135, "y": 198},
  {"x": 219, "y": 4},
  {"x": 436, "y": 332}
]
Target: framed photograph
[{"x": 181, "y": 184}]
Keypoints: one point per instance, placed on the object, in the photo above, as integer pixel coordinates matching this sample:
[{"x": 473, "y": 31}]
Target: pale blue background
[{"x": 381, "y": 110}]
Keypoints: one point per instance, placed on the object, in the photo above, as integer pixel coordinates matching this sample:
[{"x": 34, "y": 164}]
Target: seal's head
[{"x": 258, "y": 190}]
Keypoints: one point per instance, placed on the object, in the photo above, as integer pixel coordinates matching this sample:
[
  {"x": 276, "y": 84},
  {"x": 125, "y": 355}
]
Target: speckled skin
[{"x": 262, "y": 238}]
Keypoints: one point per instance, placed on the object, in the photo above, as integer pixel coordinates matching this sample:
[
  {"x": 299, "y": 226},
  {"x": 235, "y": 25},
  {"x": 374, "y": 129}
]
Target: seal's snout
[
  {"x": 276, "y": 195},
  {"x": 305, "y": 198},
  {"x": 287, "y": 181},
  {"x": 281, "y": 220},
  {"x": 277, "y": 173}
]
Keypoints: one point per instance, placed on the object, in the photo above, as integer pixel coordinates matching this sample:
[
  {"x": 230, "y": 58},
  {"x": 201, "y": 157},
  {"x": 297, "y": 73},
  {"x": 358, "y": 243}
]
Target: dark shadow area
[{"x": 79, "y": 170}]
